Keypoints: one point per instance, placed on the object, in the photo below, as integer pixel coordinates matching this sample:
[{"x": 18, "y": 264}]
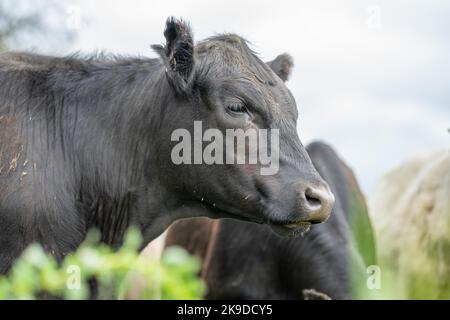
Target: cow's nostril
[
  {"x": 312, "y": 200},
  {"x": 319, "y": 203}
]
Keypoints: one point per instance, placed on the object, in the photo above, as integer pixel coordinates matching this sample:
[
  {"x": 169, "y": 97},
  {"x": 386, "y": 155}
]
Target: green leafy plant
[{"x": 118, "y": 274}]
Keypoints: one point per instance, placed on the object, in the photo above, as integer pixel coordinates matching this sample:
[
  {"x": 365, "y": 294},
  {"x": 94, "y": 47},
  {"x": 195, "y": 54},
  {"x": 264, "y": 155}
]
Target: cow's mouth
[
  {"x": 291, "y": 229},
  {"x": 221, "y": 213}
]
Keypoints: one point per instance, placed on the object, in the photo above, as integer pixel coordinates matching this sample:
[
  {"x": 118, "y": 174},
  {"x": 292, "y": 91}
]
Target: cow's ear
[
  {"x": 178, "y": 54},
  {"x": 282, "y": 66}
]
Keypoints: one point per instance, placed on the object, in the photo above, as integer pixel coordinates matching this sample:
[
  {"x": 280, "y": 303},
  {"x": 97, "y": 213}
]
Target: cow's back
[{"x": 351, "y": 207}]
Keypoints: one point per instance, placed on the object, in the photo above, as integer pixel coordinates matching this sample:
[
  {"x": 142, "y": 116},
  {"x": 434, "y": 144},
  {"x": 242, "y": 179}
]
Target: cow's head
[{"x": 222, "y": 84}]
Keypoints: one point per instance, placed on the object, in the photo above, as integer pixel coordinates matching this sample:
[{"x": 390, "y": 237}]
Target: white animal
[{"x": 410, "y": 210}]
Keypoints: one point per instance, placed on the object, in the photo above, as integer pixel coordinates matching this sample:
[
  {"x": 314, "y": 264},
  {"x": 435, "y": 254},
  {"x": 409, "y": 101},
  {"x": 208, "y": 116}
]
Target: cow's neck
[{"x": 117, "y": 187}]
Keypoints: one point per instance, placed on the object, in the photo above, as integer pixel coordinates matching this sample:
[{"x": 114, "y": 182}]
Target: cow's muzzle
[{"x": 314, "y": 205}]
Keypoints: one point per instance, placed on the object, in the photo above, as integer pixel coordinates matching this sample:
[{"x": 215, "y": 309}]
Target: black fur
[
  {"x": 282, "y": 66},
  {"x": 248, "y": 261},
  {"x": 86, "y": 142},
  {"x": 178, "y": 54}
]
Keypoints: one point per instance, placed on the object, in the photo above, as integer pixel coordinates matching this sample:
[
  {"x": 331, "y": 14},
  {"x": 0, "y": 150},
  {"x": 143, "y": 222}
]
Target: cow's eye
[{"x": 237, "y": 108}]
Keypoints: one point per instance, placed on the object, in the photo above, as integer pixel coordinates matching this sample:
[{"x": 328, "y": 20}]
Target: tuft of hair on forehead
[
  {"x": 233, "y": 52},
  {"x": 222, "y": 40}
]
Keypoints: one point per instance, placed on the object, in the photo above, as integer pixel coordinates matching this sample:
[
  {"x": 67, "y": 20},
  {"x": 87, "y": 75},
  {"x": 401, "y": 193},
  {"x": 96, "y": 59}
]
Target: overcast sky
[{"x": 371, "y": 78}]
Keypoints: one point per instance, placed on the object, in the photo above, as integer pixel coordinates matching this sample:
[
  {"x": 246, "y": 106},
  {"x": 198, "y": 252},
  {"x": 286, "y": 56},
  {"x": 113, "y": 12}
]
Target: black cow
[
  {"x": 248, "y": 261},
  {"x": 87, "y": 142}
]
